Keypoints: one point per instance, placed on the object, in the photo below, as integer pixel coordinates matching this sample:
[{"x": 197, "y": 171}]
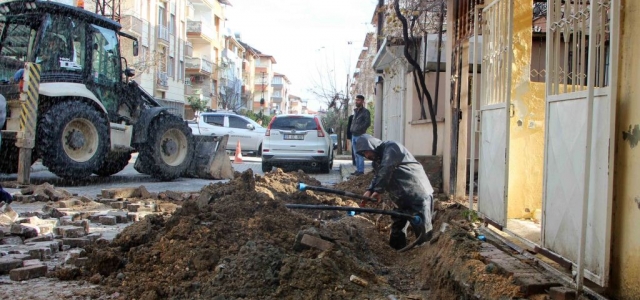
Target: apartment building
[
  {"x": 280, "y": 97},
  {"x": 248, "y": 74},
  {"x": 231, "y": 74},
  {"x": 161, "y": 31},
  {"x": 203, "y": 50},
  {"x": 263, "y": 91},
  {"x": 295, "y": 105}
]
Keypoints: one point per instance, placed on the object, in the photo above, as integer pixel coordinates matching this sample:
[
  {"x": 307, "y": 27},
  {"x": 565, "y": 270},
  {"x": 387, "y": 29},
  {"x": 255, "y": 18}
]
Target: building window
[
  {"x": 172, "y": 24},
  {"x": 171, "y": 67},
  {"x": 180, "y": 70}
]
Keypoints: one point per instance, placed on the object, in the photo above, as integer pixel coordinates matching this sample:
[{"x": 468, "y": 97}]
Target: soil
[{"x": 245, "y": 244}]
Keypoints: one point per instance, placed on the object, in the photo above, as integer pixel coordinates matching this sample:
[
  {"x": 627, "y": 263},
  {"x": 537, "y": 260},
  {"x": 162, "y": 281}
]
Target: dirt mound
[{"x": 240, "y": 241}]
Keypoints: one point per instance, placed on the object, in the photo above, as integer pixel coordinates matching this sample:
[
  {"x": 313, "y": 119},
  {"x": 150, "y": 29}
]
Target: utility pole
[{"x": 262, "y": 99}]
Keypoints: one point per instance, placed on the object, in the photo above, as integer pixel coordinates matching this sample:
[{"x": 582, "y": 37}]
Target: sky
[{"x": 311, "y": 40}]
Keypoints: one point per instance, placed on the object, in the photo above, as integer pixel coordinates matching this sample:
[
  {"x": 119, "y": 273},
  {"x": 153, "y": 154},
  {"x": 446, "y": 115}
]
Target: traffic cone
[{"x": 238, "y": 158}]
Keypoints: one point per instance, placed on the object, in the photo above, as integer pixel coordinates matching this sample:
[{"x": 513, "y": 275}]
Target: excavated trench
[{"x": 239, "y": 241}]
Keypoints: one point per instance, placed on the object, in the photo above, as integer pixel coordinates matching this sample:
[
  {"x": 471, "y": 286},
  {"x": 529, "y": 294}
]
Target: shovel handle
[{"x": 304, "y": 187}]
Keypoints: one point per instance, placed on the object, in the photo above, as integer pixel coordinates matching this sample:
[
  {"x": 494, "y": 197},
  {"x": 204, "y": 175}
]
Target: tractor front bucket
[{"x": 210, "y": 160}]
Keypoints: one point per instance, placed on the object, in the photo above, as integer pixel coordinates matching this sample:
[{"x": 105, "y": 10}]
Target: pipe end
[{"x": 302, "y": 186}]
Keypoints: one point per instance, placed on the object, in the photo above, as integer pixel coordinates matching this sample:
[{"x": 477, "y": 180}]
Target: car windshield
[{"x": 294, "y": 123}]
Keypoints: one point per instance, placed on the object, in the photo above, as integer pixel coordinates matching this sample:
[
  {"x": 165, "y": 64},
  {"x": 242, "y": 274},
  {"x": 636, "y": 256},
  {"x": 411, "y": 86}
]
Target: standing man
[
  {"x": 403, "y": 177},
  {"x": 351, "y": 145},
  {"x": 359, "y": 125}
]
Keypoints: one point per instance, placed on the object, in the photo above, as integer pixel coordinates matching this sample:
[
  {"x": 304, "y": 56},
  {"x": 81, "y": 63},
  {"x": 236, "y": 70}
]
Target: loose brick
[
  {"x": 79, "y": 223},
  {"x": 173, "y": 195},
  {"x": 315, "y": 242},
  {"x": 117, "y": 205},
  {"x": 121, "y": 193},
  {"x": 24, "y": 198},
  {"x": 133, "y": 217},
  {"x": 562, "y": 293},
  {"x": 121, "y": 216},
  {"x": 26, "y": 273},
  {"x": 133, "y": 207},
  {"x": 40, "y": 253},
  {"x": 93, "y": 236},
  {"x": 107, "y": 220},
  {"x": 11, "y": 240},
  {"x": 76, "y": 242},
  {"x": 144, "y": 193},
  {"x": 531, "y": 284},
  {"x": 31, "y": 262},
  {"x": 71, "y": 231},
  {"x": 40, "y": 238},
  {"x": 24, "y": 230},
  {"x": 8, "y": 264},
  {"x": 69, "y": 203}
]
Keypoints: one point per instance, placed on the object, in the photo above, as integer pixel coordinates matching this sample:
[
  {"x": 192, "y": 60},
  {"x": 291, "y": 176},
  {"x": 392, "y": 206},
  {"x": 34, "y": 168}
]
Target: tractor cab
[{"x": 71, "y": 45}]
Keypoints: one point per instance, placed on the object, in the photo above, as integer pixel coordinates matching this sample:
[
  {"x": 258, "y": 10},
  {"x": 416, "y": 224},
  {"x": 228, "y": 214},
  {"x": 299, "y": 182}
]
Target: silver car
[
  {"x": 297, "y": 139},
  {"x": 239, "y": 128}
]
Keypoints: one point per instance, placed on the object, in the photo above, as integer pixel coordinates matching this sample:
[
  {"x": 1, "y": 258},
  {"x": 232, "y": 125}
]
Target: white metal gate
[
  {"x": 580, "y": 116},
  {"x": 497, "y": 35}
]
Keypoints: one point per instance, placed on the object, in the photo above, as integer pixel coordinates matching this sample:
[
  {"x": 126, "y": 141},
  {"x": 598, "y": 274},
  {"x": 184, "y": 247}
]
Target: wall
[
  {"x": 419, "y": 133},
  {"x": 625, "y": 249},
  {"x": 526, "y": 145}
]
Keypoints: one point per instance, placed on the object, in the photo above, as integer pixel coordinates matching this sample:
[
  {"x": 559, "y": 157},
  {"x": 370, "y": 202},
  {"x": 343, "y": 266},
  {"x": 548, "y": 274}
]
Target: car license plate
[{"x": 293, "y": 137}]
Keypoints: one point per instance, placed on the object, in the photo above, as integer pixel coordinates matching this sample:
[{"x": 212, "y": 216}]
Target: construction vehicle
[{"x": 91, "y": 116}]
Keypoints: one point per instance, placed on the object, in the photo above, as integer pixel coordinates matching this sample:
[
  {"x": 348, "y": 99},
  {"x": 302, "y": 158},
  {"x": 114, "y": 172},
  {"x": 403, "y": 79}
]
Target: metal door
[
  {"x": 497, "y": 35},
  {"x": 580, "y": 116}
]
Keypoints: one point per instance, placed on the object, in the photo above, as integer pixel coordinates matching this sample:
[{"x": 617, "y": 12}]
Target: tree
[
  {"x": 230, "y": 87},
  {"x": 413, "y": 21},
  {"x": 197, "y": 105}
]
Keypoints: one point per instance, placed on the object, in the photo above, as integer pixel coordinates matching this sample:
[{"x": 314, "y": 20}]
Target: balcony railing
[
  {"x": 199, "y": 64},
  {"x": 132, "y": 23},
  {"x": 163, "y": 33},
  {"x": 188, "y": 49},
  {"x": 200, "y": 27}
]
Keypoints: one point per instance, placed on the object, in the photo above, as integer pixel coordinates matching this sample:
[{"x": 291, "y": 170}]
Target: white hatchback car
[
  {"x": 238, "y": 127},
  {"x": 297, "y": 139}
]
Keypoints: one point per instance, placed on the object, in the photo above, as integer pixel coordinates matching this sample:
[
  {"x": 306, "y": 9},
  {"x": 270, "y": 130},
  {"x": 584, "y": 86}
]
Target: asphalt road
[{"x": 129, "y": 177}]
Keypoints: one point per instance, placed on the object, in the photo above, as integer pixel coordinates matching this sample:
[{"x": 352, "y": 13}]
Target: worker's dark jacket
[
  {"x": 396, "y": 171},
  {"x": 361, "y": 121}
]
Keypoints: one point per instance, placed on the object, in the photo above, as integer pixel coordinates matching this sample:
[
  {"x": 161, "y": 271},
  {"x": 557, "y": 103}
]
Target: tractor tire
[
  {"x": 169, "y": 148},
  {"x": 73, "y": 139},
  {"x": 266, "y": 167},
  {"x": 113, "y": 163}
]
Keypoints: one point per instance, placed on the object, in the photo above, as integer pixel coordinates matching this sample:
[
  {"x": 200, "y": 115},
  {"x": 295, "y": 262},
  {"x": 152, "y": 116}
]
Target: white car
[
  {"x": 297, "y": 139},
  {"x": 238, "y": 127}
]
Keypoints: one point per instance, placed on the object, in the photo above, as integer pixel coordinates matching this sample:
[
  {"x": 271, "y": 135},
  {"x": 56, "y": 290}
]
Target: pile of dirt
[{"x": 239, "y": 241}]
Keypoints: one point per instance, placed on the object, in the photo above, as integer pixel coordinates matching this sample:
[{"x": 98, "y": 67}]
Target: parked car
[
  {"x": 297, "y": 139},
  {"x": 238, "y": 127}
]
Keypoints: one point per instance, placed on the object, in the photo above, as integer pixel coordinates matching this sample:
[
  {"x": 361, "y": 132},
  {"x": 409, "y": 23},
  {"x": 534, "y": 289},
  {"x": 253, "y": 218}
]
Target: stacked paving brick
[{"x": 31, "y": 242}]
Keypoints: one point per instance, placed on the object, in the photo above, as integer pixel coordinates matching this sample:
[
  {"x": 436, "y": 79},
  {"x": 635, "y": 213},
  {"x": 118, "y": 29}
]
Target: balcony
[
  {"x": 132, "y": 24},
  {"x": 188, "y": 49},
  {"x": 201, "y": 91},
  {"x": 162, "y": 81},
  {"x": 200, "y": 30},
  {"x": 200, "y": 65},
  {"x": 163, "y": 34}
]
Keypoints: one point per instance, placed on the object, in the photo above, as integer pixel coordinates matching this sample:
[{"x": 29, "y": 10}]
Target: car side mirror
[
  {"x": 250, "y": 127},
  {"x": 129, "y": 72}
]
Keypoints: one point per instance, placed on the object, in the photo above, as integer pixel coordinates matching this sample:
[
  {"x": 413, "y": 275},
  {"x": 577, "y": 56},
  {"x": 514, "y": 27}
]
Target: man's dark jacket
[
  {"x": 349, "y": 126},
  {"x": 361, "y": 121},
  {"x": 396, "y": 171}
]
